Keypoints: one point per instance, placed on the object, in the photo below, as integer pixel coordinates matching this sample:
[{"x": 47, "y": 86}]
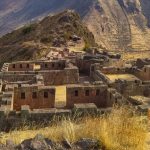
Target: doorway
[{"x": 60, "y": 97}]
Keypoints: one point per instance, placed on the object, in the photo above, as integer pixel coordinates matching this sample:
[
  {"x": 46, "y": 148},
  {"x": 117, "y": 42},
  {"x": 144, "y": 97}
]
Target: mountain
[
  {"x": 120, "y": 24},
  {"x": 14, "y": 13},
  {"x": 116, "y": 24},
  {"x": 34, "y": 40}
]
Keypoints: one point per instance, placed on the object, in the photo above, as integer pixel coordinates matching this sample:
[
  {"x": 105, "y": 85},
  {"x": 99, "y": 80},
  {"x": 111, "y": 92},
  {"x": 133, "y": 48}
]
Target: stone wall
[
  {"x": 145, "y": 88},
  {"x": 113, "y": 70},
  {"x": 125, "y": 87},
  {"x": 15, "y": 120},
  {"x": 21, "y": 66},
  {"x": 114, "y": 97},
  {"x": 56, "y": 72},
  {"x": 144, "y": 73},
  {"x": 42, "y": 65},
  {"x": 52, "y": 65},
  {"x": 11, "y": 77},
  {"x": 131, "y": 88},
  {"x": 99, "y": 76},
  {"x": 34, "y": 96},
  {"x": 96, "y": 74},
  {"x": 60, "y": 77},
  {"x": 79, "y": 94},
  {"x": 85, "y": 65},
  {"x": 69, "y": 75}
]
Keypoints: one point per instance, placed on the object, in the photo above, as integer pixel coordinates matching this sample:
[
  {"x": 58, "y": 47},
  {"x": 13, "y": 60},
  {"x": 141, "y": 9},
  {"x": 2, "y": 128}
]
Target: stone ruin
[{"x": 91, "y": 83}]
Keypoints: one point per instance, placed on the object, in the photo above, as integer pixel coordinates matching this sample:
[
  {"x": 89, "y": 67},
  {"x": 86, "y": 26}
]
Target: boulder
[
  {"x": 89, "y": 144},
  {"x": 66, "y": 144},
  {"x": 37, "y": 143}
]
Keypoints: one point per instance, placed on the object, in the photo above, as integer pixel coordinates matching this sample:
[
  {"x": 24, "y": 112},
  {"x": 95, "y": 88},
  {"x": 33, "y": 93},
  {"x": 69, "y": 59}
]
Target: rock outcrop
[{"x": 41, "y": 143}]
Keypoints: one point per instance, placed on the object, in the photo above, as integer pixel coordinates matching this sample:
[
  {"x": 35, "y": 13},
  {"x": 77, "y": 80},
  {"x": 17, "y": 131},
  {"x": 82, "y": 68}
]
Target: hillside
[
  {"x": 120, "y": 24},
  {"x": 34, "y": 40},
  {"x": 116, "y": 24}
]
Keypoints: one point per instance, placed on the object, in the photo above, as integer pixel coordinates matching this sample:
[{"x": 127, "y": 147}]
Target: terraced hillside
[
  {"x": 120, "y": 24},
  {"x": 110, "y": 24}
]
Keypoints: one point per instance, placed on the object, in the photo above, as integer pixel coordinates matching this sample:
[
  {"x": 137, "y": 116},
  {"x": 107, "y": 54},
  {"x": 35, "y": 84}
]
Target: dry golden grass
[
  {"x": 118, "y": 130},
  {"x": 135, "y": 55},
  {"x": 77, "y": 46},
  {"x": 130, "y": 56}
]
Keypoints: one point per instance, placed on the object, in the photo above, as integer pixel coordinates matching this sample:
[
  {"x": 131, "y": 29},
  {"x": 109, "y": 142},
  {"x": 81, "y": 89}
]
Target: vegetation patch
[
  {"x": 119, "y": 130},
  {"x": 27, "y": 29}
]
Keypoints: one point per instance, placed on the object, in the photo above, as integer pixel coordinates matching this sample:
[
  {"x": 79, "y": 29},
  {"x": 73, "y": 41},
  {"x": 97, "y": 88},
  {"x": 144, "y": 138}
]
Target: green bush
[{"x": 27, "y": 29}]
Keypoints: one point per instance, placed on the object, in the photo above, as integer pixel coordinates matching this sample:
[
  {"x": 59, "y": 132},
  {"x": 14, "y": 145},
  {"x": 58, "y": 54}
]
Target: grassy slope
[{"x": 117, "y": 131}]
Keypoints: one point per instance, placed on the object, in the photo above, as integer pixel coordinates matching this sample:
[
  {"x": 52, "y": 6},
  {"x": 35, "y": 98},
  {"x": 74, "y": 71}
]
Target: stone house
[
  {"x": 81, "y": 94},
  {"x": 36, "y": 97}
]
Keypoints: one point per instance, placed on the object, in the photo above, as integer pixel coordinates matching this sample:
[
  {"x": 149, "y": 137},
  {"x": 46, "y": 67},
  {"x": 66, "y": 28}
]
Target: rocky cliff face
[{"x": 116, "y": 24}]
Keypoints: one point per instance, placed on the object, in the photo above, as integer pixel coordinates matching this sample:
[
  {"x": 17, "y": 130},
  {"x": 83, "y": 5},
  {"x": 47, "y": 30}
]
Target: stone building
[
  {"x": 88, "y": 79},
  {"x": 55, "y": 72},
  {"x": 36, "y": 97},
  {"x": 36, "y": 65},
  {"x": 127, "y": 82},
  {"x": 84, "y": 63},
  {"x": 80, "y": 94}
]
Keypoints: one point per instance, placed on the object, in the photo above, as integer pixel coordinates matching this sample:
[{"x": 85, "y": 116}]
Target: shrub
[
  {"x": 47, "y": 39},
  {"x": 27, "y": 29}
]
